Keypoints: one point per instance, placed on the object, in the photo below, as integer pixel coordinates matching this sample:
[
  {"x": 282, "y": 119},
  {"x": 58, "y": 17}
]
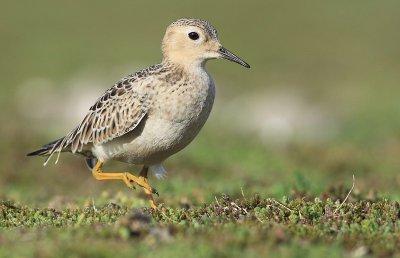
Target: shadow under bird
[{"x": 153, "y": 113}]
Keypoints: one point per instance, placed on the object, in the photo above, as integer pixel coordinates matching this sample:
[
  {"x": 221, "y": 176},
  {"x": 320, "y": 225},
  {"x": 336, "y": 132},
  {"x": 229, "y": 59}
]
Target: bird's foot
[{"x": 130, "y": 180}]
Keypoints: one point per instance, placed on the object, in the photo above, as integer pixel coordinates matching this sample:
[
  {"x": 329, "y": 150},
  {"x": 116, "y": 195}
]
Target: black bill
[{"x": 225, "y": 53}]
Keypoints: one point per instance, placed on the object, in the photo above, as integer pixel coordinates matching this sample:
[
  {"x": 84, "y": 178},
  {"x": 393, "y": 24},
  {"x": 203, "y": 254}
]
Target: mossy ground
[{"x": 226, "y": 227}]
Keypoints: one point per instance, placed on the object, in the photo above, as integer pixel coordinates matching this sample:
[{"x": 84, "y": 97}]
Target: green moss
[{"x": 245, "y": 225}]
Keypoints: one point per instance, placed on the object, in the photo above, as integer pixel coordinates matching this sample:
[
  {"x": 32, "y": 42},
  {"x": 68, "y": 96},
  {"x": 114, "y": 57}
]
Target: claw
[
  {"x": 132, "y": 184},
  {"x": 154, "y": 191}
]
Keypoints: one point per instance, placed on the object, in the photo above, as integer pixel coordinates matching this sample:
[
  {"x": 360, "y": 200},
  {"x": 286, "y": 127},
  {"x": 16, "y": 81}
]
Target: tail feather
[{"x": 47, "y": 149}]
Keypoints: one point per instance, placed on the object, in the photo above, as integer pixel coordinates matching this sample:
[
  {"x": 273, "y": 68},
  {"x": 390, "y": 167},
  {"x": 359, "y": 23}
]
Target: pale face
[{"x": 191, "y": 45}]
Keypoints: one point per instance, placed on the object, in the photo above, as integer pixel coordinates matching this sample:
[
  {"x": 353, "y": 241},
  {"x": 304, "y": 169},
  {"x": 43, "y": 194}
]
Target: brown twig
[
  {"x": 281, "y": 204},
  {"x": 345, "y": 199},
  {"x": 216, "y": 200},
  {"x": 241, "y": 188}
]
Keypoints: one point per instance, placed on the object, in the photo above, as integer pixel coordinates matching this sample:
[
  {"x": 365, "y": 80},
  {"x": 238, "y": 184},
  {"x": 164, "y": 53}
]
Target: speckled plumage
[{"x": 151, "y": 114}]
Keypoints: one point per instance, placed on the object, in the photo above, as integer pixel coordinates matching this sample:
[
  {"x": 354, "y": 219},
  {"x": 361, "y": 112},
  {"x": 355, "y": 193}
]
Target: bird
[{"x": 149, "y": 115}]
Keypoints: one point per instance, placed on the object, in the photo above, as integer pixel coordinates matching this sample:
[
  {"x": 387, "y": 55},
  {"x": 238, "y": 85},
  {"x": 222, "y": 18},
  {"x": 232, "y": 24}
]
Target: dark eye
[{"x": 193, "y": 35}]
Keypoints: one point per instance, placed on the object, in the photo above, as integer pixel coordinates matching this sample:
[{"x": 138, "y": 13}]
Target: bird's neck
[
  {"x": 192, "y": 72},
  {"x": 192, "y": 68}
]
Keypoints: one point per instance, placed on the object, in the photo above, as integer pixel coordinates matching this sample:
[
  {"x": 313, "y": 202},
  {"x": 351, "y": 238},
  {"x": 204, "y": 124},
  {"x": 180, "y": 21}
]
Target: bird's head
[{"x": 193, "y": 42}]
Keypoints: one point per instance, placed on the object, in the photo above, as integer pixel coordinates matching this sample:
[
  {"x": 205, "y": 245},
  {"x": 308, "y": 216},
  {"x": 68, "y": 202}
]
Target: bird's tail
[{"x": 47, "y": 149}]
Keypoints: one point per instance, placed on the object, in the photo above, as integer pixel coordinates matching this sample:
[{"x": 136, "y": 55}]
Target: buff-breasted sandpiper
[{"x": 153, "y": 113}]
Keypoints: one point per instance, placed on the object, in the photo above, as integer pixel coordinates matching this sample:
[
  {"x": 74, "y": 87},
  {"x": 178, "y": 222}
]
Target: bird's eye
[{"x": 193, "y": 35}]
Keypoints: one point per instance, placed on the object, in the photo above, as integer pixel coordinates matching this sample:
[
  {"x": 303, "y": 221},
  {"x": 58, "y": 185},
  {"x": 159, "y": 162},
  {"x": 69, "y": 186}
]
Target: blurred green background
[{"x": 320, "y": 103}]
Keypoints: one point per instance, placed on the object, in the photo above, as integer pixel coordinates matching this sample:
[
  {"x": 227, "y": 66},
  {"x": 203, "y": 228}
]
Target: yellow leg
[
  {"x": 143, "y": 176},
  {"x": 128, "y": 179}
]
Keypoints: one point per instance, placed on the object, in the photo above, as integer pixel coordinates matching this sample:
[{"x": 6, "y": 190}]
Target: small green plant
[{"x": 247, "y": 225}]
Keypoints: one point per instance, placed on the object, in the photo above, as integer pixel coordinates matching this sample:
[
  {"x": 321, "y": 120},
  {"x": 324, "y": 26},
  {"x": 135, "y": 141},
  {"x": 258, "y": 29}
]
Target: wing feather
[
  {"x": 118, "y": 111},
  {"x": 113, "y": 115}
]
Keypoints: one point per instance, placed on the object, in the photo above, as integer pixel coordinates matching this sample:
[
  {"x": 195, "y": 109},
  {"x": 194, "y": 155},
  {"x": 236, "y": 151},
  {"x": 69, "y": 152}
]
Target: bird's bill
[{"x": 228, "y": 55}]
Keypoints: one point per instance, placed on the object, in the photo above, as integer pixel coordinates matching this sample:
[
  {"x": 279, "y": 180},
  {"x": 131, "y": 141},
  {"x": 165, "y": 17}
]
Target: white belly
[{"x": 158, "y": 140}]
